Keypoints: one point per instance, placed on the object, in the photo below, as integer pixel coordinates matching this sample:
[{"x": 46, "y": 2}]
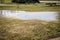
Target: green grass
[
  {"x": 13, "y": 29},
  {"x": 31, "y": 7}
]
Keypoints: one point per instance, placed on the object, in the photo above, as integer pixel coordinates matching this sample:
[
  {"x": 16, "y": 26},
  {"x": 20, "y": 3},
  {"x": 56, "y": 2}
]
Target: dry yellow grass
[{"x": 12, "y": 29}]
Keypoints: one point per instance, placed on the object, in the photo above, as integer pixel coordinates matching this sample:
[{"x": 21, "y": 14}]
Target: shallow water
[{"x": 29, "y": 15}]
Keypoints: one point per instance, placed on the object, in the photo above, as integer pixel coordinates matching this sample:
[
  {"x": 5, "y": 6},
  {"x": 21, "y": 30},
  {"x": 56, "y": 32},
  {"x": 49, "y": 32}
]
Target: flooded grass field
[{"x": 22, "y": 25}]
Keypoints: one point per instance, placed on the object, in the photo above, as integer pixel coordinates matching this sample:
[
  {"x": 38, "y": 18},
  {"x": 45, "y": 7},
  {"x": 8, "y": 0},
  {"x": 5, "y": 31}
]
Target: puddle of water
[{"x": 30, "y": 15}]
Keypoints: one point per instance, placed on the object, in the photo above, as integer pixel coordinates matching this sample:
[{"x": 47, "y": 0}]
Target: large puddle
[{"x": 29, "y": 15}]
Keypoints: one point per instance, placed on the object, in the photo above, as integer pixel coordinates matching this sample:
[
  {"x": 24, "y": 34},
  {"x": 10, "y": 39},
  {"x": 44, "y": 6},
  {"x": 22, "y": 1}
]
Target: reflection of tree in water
[
  {"x": 0, "y": 13},
  {"x": 59, "y": 17}
]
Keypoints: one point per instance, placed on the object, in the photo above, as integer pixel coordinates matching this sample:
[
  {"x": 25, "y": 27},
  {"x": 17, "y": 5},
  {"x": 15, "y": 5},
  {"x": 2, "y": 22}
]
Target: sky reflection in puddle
[{"x": 30, "y": 15}]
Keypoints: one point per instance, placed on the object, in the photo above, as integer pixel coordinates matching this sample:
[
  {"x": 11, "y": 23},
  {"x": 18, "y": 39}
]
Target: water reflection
[{"x": 30, "y": 15}]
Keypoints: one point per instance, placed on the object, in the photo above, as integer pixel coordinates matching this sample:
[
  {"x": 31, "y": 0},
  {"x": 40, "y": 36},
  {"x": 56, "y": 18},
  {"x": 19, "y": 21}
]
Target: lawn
[{"x": 30, "y": 7}]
